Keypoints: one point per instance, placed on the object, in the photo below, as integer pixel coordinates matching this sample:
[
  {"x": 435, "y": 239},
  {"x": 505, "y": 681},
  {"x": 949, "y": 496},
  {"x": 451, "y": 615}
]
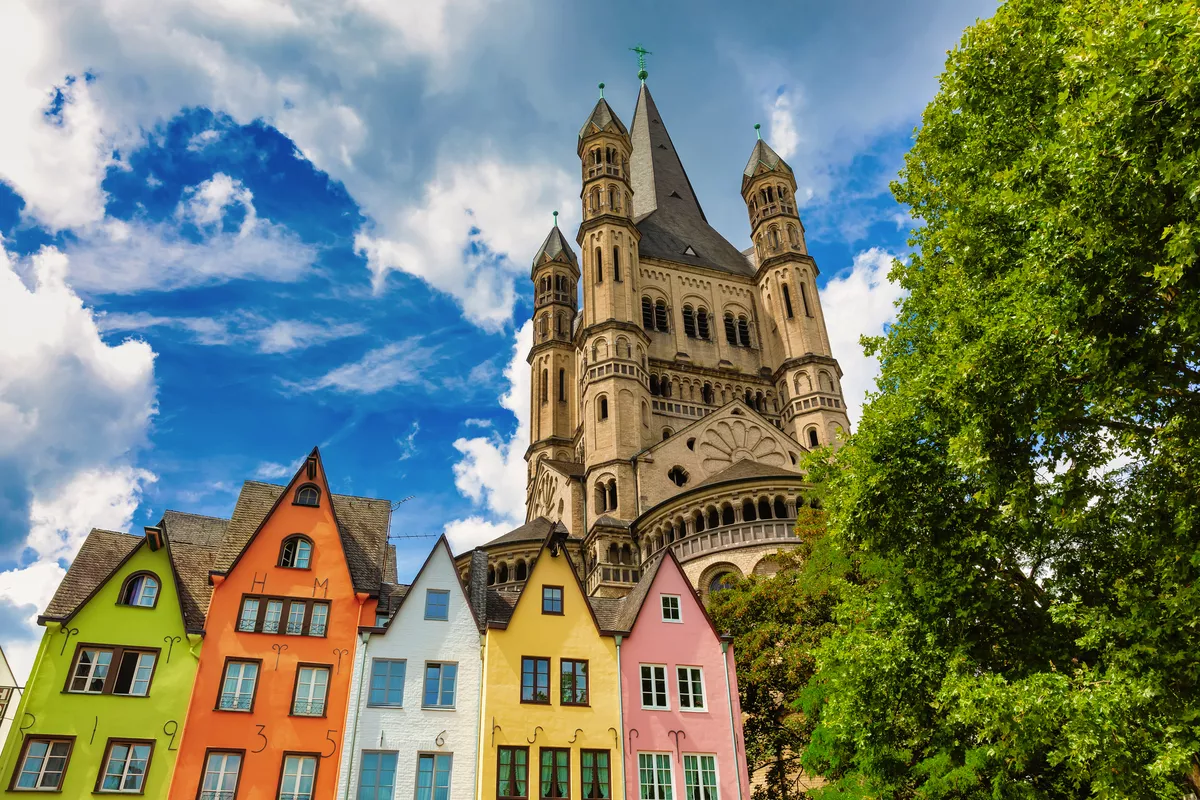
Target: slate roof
[
  {"x": 632, "y": 602},
  {"x": 194, "y": 528},
  {"x": 763, "y": 154},
  {"x": 535, "y": 530},
  {"x": 554, "y": 247},
  {"x": 612, "y": 522},
  {"x": 665, "y": 208},
  {"x": 390, "y": 596},
  {"x": 363, "y": 525},
  {"x": 389, "y": 565},
  {"x": 608, "y": 612},
  {"x": 747, "y": 470},
  {"x": 500, "y": 605},
  {"x": 99, "y": 557},
  {"x": 571, "y": 469},
  {"x": 602, "y": 117}
]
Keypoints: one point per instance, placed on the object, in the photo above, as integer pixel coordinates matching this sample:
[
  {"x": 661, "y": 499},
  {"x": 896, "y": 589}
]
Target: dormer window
[
  {"x": 308, "y": 495},
  {"x": 140, "y": 590},
  {"x": 296, "y": 553}
]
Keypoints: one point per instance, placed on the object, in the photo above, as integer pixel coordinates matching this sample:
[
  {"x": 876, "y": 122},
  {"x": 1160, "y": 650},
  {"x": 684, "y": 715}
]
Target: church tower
[
  {"x": 808, "y": 376},
  {"x": 553, "y": 415}
]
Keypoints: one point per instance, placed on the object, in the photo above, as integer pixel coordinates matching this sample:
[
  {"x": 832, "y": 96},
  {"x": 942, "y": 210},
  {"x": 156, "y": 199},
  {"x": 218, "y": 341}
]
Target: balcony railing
[
  {"x": 217, "y": 794},
  {"x": 308, "y": 708},
  {"x": 295, "y": 628},
  {"x": 728, "y": 537},
  {"x": 620, "y": 574},
  {"x": 232, "y": 701}
]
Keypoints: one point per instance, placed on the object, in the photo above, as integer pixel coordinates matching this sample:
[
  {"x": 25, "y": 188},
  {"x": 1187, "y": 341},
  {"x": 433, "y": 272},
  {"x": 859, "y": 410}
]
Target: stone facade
[{"x": 672, "y": 408}]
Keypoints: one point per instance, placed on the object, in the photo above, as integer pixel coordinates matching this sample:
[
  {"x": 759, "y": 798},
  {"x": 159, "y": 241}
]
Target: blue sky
[{"x": 235, "y": 230}]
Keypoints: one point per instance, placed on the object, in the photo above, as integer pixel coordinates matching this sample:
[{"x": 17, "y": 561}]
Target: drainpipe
[
  {"x": 737, "y": 770},
  {"x": 366, "y": 639},
  {"x": 621, "y": 711}
]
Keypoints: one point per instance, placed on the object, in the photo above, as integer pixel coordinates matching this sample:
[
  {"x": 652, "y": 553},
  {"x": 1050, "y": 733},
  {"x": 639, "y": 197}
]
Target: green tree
[{"x": 1028, "y": 470}]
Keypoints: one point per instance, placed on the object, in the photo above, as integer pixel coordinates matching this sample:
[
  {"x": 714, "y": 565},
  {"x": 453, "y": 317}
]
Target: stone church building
[{"x": 671, "y": 407}]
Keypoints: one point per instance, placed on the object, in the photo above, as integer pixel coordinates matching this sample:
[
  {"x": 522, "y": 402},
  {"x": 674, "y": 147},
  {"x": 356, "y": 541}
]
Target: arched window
[
  {"x": 714, "y": 518},
  {"x": 780, "y": 508},
  {"x": 664, "y": 386},
  {"x": 825, "y": 381},
  {"x": 667, "y": 432},
  {"x": 689, "y": 322},
  {"x": 660, "y": 317},
  {"x": 601, "y": 498},
  {"x": 804, "y": 300},
  {"x": 748, "y": 513},
  {"x": 612, "y": 197},
  {"x": 614, "y": 554},
  {"x": 599, "y": 266},
  {"x": 626, "y": 554},
  {"x": 502, "y": 575},
  {"x": 308, "y": 495},
  {"x": 562, "y": 386},
  {"x": 749, "y": 398},
  {"x": 706, "y": 394},
  {"x": 758, "y": 401},
  {"x": 702, "y": 323},
  {"x": 743, "y": 329},
  {"x": 594, "y": 199},
  {"x": 603, "y": 408},
  {"x": 647, "y": 314},
  {"x": 544, "y": 390},
  {"x": 787, "y": 302},
  {"x": 645, "y": 415},
  {"x": 730, "y": 329},
  {"x": 812, "y": 438},
  {"x": 296, "y": 552},
  {"x": 140, "y": 589},
  {"x": 616, "y": 263},
  {"x": 654, "y": 390},
  {"x": 521, "y": 569},
  {"x": 773, "y": 237},
  {"x": 721, "y": 582},
  {"x": 727, "y": 514},
  {"x": 764, "y": 508},
  {"x": 793, "y": 236},
  {"x": 698, "y": 521},
  {"x": 612, "y": 495}
]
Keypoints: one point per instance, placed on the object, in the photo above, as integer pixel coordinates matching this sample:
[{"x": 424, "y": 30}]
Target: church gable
[{"x": 712, "y": 445}]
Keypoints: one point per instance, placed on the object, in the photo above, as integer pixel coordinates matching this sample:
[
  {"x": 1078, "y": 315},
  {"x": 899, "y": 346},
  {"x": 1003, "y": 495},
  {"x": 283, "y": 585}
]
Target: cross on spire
[{"x": 642, "y": 53}]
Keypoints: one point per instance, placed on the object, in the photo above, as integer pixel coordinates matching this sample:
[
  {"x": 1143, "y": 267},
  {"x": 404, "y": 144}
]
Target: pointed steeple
[
  {"x": 555, "y": 248},
  {"x": 763, "y": 159},
  {"x": 665, "y": 207},
  {"x": 602, "y": 118}
]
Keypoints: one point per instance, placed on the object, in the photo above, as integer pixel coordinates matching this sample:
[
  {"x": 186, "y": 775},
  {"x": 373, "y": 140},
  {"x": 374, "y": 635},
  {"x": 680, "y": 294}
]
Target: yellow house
[{"x": 550, "y": 722}]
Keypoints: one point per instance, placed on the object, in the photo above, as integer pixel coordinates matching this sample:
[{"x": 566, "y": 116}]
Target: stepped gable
[
  {"x": 362, "y": 525},
  {"x": 665, "y": 208}
]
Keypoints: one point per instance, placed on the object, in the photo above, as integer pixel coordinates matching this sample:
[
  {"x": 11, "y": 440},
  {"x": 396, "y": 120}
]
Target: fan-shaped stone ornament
[
  {"x": 545, "y": 493},
  {"x": 727, "y": 442}
]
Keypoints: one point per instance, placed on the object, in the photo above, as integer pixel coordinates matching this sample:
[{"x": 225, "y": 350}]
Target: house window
[
  {"x": 299, "y": 775},
  {"x": 603, "y": 408},
  {"x": 439, "y": 685},
  {"x": 512, "y": 773},
  {"x": 125, "y": 766},
  {"x": 249, "y": 616},
  {"x": 433, "y": 776},
  {"x": 296, "y": 553},
  {"x": 5, "y": 697},
  {"x": 43, "y": 764},
  {"x": 387, "y": 682},
  {"x": 574, "y": 682},
  {"x": 595, "y": 774},
  {"x": 437, "y": 604},
  {"x": 691, "y": 688},
  {"x": 552, "y": 600},
  {"x": 93, "y": 671},
  {"x": 221, "y": 772},
  {"x": 654, "y": 776},
  {"x": 377, "y": 778},
  {"x": 700, "y": 777},
  {"x": 654, "y": 686},
  {"x": 139, "y": 590},
  {"x": 555, "y": 773},
  {"x": 273, "y": 615},
  {"x": 303, "y": 617},
  {"x": 308, "y": 495},
  {"x": 238, "y": 686},
  {"x": 295, "y": 618},
  {"x": 312, "y": 686},
  {"x": 670, "y": 608},
  {"x": 535, "y": 680}
]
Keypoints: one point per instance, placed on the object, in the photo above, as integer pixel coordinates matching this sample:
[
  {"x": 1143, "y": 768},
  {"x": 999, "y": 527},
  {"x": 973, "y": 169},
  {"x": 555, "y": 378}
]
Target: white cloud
[
  {"x": 408, "y": 442},
  {"x": 272, "y": 471},
  {"x": 399, "y": 363},
  {"x": 74, "y": 411},
  {"x": 230, "y": 242},
  {"x": 472, "y": 233},
  {"x": 477, "y": 423},
  {"x": 287, "y": 335},
  {"x": 859, "y": 302},
  {"x": 784, "y": 136},
  {"x": 492, "y": 470},
  {"x": 281, "y": 336}
]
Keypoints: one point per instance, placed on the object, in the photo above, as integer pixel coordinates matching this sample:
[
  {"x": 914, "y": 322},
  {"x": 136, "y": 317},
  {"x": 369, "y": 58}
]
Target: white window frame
[
  {"x": 318, "y": 628},
  {"x": 307, "y": 693},
  {"x": 91, "y": 670},
  {"x": 439, "y": 592},
  {"x": 297, "y": 776},
  {"x": 666, "y": 686},
  {"x": 716, "y": 771},
  {"x": 654, "y": 761},
  {"x": 124, "y": 775},
  {"x": 691, "y": 696},
  {"x": 219, "y": 792},
  {"x": 142, "y": 582},
  {"x": 241, "y": 679},
  {"x": 441, "y": 679},
  {"x": 252, "y": 619},
  {"x": 295, "y": 630},
  {"x": 268, "y": 627},
  {"x": 138, "y": 667},
  {"x": 663, "y": 598}
]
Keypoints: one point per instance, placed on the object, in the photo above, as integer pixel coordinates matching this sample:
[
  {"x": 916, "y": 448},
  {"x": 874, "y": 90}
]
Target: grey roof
[
  {"x": 612, "y": 522},
  {"x": 747, "y": 470},
  {"x": 637, "y": 595},
  {"x": 763, "y": 154},
  {"x": 572, "y": 469},
  {"x": 389, "y": 565},
  {"x": 665, "y": 208},
  {"x": 607, "y": 611},
  {"x": 101, "y": 555},
  {"x": 555, "y": 247},
  {"x": 500, "y": 605},
  {"x": 363, "y": 525},
  {"x": 603, "y": 118},
  {"x": 535, "y": 530}
]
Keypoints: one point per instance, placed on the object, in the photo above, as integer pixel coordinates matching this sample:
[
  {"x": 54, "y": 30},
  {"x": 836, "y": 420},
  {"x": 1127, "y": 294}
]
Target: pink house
[{"x": 679, "y": 694}]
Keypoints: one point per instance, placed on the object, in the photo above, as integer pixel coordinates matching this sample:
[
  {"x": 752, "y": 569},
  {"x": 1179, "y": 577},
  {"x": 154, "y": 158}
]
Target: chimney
[{"x": 477, "y": 590}]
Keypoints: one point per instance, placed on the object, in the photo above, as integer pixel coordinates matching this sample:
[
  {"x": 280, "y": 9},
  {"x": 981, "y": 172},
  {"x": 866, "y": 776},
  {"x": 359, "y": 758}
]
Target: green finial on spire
[
  {"x": 602, "y": 91},
  {"x": 758, "y": 130},
  {"x": 556, "y": 213},
  {"x": 642, "y": 53}
]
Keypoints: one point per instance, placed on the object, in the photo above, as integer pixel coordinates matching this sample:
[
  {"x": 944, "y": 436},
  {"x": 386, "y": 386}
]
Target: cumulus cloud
[
  {"x": 491, "y": 471},
  {"x": 405, "y": 362},
  {"x": 783, "y": 132},
  {"x": 858, "y": 302}
]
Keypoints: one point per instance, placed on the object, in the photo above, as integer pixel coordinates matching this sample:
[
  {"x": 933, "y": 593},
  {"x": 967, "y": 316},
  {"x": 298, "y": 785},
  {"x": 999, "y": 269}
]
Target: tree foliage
[{"x": 1026, "y": 478}]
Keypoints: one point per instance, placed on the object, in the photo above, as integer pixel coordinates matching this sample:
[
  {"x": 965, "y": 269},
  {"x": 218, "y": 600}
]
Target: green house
[{"x": 103, "y": 710}]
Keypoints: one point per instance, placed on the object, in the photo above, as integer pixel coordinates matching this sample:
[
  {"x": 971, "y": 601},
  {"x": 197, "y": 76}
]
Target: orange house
[{"x": 298, "y": 572}]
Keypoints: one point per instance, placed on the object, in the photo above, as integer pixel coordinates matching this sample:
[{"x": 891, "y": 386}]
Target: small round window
[{"x": 678, "y": 475}]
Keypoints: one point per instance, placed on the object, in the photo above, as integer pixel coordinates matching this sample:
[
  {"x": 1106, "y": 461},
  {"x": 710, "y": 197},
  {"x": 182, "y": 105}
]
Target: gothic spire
[
  {"x": 555, "y": 248},
  {"x": 602, "y": 118}
]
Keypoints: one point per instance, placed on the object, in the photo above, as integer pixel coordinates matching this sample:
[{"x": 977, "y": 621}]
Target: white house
[
  {"x": 9, "y": 696},
  {"x": 414, "y": 699}
]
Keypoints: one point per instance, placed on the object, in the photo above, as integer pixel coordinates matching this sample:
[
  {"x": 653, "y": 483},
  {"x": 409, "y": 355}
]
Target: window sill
[
  {"x": 438, "y": 708},
  {"x": 383, "y": 705},
  {"x": 656, "y": 708},
  {"x": 693, "y": 710}
]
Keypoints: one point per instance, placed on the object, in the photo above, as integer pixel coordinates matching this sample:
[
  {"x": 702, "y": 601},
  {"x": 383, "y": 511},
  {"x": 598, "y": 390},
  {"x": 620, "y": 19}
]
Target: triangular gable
[
  {"x": 84, "y": 564},
  {"x": 638, "y": 599},
  {"x": 730, "y": 409},
  {"x": 444, "y": 545}
]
